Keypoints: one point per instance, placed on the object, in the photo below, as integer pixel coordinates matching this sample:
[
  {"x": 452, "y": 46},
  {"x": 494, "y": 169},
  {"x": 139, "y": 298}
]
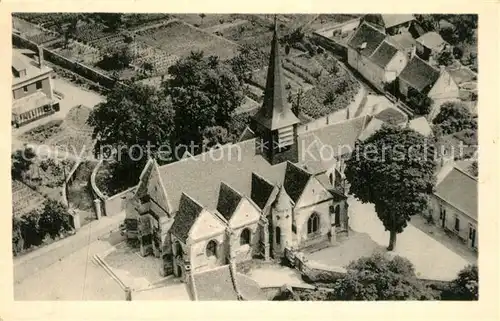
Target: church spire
[{"x": 276, "y": 112}]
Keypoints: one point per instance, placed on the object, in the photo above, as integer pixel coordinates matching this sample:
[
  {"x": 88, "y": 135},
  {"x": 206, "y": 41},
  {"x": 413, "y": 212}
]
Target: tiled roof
[
  {"x": 30, "y": 102},
  {"x": 403, "y": 40},
  {"x": 217, "y": 285},
  {"x": 373, "y": 126},
  {"x": 419, "y": 74},
  {"x": 20, "y": 61},
  {"x": 340, "y": 137},
  {"x": 421, "y": 125},
  {"x": 432, "y": 40},
  {"x": 391, "y": 116},
  {"x": 228, "y": 201},
  {"x": 384, "y": 54},
  {"x": 296, "y": 180},
  {"x": 366, "y": 34},
  {"x": 200, "y": 176},
  {"x": 391, "y": 20},
  {"x": 461, "y": 75},
  {"x": 388, "y": 20},
  {"x": 189, "y": 211},
  {"x": 459, "y": 189},
  {"x": 261, "y": 190}
]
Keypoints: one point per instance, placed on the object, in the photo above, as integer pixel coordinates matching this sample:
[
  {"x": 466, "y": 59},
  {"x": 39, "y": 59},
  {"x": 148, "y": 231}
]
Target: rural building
[
  {"x": 390, "y": 24},
  {"x": 32, "y": 90},
  {"x": 256, "y": 198},
  {"x": 421, "y": 77},
  {"x": 453, "y": 206},
  {"x": 374, "y": 57},
  {"x": 405, "y": 42},
  {"x": 430, "y": 44}
]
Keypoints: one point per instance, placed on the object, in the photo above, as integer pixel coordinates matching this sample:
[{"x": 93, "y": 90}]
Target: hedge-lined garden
[{"x": 40, "y": 226}]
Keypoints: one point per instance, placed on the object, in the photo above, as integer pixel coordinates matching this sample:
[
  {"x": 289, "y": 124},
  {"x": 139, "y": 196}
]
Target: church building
[{"x": 271, "y": 191}]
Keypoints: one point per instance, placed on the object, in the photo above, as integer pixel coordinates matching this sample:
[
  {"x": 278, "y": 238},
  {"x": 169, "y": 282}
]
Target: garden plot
[
  {"x": 81, "y": 53},
  {"x": 70, "y": 135},
  {"x": 33, "y": 32},
  {"x": 326, "y": 20},
  {"x": 207, "y": 20},
  {"x": 179, "y": 38},
  {"x": 24, "y": 198}
]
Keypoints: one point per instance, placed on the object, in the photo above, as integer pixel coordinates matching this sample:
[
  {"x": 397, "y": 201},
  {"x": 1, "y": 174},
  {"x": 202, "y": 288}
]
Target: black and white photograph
[{"x": 245, "y": 157}]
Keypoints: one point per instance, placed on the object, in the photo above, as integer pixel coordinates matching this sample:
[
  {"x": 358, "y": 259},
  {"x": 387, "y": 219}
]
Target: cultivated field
[{"x": 179, "y": 38}]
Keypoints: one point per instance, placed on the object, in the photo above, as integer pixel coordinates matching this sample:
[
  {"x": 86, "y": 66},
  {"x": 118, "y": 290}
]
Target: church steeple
[{"x": 275, "y": 113}]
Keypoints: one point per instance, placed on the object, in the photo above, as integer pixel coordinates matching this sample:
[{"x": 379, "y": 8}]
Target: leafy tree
[
  {"x": 202, "y": 16},
  {"x": 17, "y": 237},
  {"x": 449, "y": 35},
  {"x": 134, "y": 122},
  {"x": 54, "y": 218},
  {"x": 29, "y": 229},
  {"x": 445, "y": 58},
  {"x": 21, "y": 161},
  {"x": 420, "y": 103},
  {"x": 465, "y": 287},
  {"x": 393, "y": 170},
  {"x": 204, "y": 93},
  {"x": 215, "y": 135},
  {"x": 427, "y": 22},
  {"x": 241, "y": 64},
  {"x": 117, "y": 59},
  {"x": 454, "y": 117},
  {"x": 381, "y": 278}
]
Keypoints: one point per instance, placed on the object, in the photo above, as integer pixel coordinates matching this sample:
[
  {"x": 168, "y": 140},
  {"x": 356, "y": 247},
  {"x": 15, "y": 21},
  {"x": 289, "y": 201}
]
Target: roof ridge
[
  {"x": 455, "y": 166},
  {"x": 198, "y": 156}
]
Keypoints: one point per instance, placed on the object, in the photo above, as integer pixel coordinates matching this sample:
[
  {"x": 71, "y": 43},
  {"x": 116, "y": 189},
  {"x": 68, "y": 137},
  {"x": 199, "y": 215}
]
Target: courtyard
[{"x": 431, "y": 258}]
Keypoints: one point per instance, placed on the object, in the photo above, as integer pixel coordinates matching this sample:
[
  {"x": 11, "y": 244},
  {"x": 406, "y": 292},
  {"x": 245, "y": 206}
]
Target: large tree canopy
[
  {"x": 133, "y": 123},
  {"x": 465, "y": 287},
  {"x": 454, "y": 117},
  {"x": 381, "y": 278},
  {"x": 132, "y": 116},
  {"x": 204, "y": 93},
  {"x": 394, "y": 170}
]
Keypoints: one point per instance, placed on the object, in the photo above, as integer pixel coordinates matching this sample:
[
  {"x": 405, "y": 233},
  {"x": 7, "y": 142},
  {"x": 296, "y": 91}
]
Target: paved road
[{"x": 40, "y": 259}]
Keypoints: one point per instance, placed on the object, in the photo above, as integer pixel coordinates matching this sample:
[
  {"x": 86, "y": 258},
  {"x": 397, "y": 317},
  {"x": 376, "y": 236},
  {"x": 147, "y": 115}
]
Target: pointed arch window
[
  {"x": 313, "y": 223},
  {"x": 245, "y": 237},
  {"x": 278, "y": 235},
  {"x": 211, "y": 249}
]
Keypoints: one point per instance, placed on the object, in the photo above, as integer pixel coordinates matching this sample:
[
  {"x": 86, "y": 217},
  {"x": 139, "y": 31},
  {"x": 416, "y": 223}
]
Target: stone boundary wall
[
  {"x": 109, "y": 205},
  {"x": 337, "y": 116},
  {"x": 74, "y": 66}
]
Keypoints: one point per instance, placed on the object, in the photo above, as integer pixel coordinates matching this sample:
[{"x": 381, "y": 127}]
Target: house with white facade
[
  {"x": 454, "y": 205},
  {"x": 374, "y": 57}
]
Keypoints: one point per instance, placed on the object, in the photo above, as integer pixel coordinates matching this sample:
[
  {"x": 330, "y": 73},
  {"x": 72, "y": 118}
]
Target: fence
[{"x": 74, "y": 66}]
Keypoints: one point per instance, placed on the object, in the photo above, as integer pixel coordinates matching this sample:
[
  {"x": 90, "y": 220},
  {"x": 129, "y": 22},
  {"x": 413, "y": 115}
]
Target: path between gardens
[{"x": 43, "y": 257}]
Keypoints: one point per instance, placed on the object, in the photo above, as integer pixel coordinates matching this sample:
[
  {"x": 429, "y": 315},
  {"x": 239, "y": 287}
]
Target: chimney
[{"x": 40, "y": 57}]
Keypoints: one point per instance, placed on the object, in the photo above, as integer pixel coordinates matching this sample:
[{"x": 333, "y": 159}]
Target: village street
[{"x": 432, "y": 259}]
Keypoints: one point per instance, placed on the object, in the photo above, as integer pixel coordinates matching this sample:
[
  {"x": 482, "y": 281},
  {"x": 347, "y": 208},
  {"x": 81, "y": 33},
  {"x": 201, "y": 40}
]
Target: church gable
[
  {"x": 313, "y": 193},
  {"x": 246, "y": 213},
  {"x": 206, "y": 225},
  {"x": 156, "y": 190}
]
